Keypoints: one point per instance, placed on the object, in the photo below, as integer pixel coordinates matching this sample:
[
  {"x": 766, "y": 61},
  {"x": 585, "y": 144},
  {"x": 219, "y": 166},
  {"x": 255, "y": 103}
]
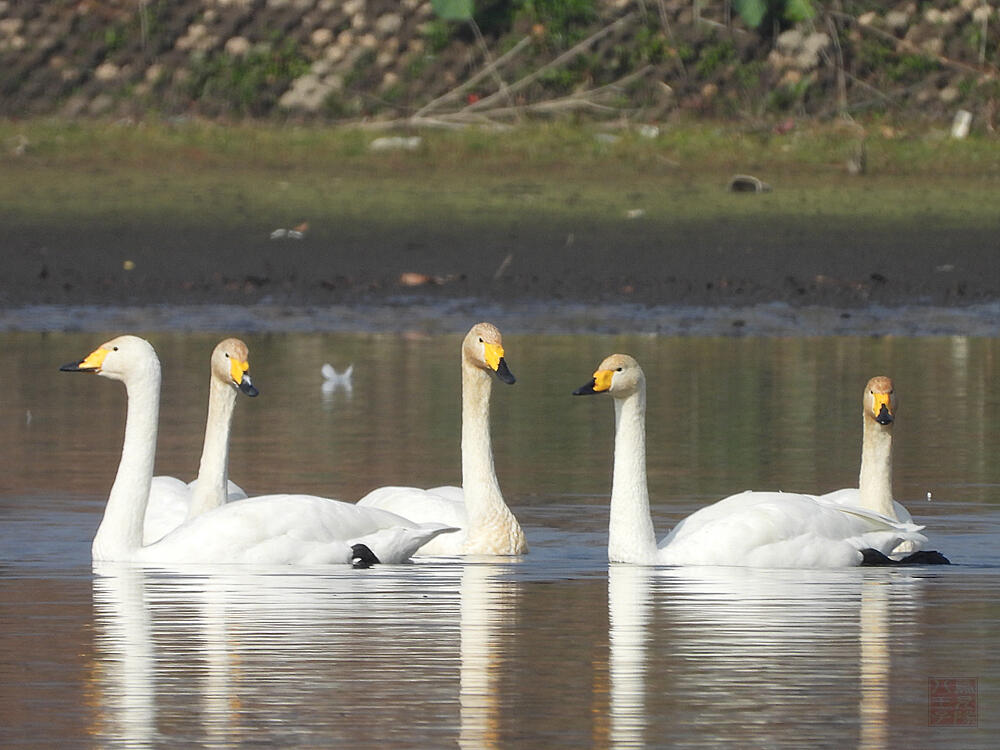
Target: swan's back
[
  {"x": 444, "y": 504},
  {"x": 851, "y": 496},
  {"x": 290, "y": 529}
]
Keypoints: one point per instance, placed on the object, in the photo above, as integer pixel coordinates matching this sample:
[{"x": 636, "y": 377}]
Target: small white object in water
[
  {"x": 635, "y": 213},
  {"x": 332, "y": 380},
  {"x": 928, "y": 497}
]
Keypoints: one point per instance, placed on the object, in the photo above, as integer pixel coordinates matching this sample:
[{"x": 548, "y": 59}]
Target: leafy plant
[
  {"x": 453, "y": 10},
  {"x": 758, "y": 13},
  {"x": 247, "y": 84},
  {"x": 715, "y": 56}
]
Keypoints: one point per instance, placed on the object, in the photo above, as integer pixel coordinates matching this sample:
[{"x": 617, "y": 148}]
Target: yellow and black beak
[
  {"x": 881, "y": 409},
  {"x": 600, "y": 383},
  {"x": 493, "y": 353},
  {"x": 240, "y": 373},
  {"x": 91, "y": 363}
]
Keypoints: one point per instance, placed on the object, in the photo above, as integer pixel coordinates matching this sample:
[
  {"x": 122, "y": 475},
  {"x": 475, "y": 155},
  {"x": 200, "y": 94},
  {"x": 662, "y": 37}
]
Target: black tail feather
[
  {"x": 363, "y": 557},
  {"x": 872, "y": 557}
]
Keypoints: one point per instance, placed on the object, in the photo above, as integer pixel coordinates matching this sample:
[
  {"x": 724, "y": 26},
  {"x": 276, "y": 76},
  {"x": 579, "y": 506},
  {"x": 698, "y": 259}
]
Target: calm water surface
[{"x": 557, "y": 649}]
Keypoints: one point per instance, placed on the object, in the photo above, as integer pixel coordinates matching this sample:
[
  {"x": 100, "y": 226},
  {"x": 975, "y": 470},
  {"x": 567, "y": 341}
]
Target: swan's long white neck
[
  {"x": 488, "y": 514},
  {"x": 212, "y": 487},
  {"x": 875, "y": 481},
  {"x": 631, "y": 538},
  {"x": 120, "y": 534}
]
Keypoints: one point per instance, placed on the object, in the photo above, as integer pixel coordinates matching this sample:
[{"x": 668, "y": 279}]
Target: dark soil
[{"x": 728, "y": 262}]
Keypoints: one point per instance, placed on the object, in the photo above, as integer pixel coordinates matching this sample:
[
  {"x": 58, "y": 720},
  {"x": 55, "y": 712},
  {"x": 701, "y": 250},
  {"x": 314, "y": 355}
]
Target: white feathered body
[
  {"x": 781, "y": 530},
  {"x": 169, "y": 502},
  {"x": 289, "y": 529}
]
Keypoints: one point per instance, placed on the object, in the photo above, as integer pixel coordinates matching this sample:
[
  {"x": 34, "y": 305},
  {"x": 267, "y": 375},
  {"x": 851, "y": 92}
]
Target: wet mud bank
[{"x": 739, "y": 276}]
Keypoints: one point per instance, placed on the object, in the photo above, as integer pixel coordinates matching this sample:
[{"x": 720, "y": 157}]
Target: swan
[
  {"x": 171, "y": 500},
  {"x": 763, "y": 529},
  {"x": 487, "y": 526},
  {"x": 270, "y": 529},
  {"x": 874, "y": 490}
]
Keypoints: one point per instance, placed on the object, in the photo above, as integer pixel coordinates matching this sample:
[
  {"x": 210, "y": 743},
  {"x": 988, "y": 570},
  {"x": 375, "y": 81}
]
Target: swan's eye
[
  {"x": 481, "y": 340},
  {"x": 227, "y": 355},
  {"x": 114, "y": 349},
  {"x": 619, "y": 370}
]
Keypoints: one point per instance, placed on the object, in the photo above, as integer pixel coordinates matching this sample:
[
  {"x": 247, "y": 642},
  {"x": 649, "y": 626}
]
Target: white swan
[
  {"x": 874, "y": 490},
  {"x": 765, "y": 529},
  {"x": 171, "y": 500},
  {"x": 477, "y": 508},
  {"x": 272, "y": 529}
]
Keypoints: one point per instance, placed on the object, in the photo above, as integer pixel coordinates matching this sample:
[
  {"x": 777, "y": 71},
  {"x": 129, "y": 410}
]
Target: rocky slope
[{"x": 394, "y": 60}]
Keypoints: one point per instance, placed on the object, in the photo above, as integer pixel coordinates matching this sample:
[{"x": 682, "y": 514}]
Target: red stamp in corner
[{"x": 952, "y": 702}]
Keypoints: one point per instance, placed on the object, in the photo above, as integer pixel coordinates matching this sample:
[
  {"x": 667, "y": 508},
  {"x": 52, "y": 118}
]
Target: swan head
[
  {"x": 619, "y": 375},
  {"x": 231, "y": 365},
  {"x": 483, "y": 348},
  {"x": 121, "y": 358},
  {"x": 880, "y": 400}
]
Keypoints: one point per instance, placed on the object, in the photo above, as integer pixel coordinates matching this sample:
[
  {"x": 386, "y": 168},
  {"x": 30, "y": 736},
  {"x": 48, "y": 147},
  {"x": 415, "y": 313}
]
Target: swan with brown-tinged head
[
  {"x": 874, "y": 491},
  {"x": 762, "y": 529},
  {"x": 172, "y": 500},
  {"x": 488, "y": 526},
  {"x": 266, "y": 530}
]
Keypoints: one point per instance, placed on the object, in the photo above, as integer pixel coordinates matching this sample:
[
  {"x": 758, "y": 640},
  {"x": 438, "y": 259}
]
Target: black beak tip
[
  {"x": 75, "y": 367},
  {"x": 585, "y": 390},
  {"x": 249, "y": 389},
  {"x": 884, "y": 417},
  {"x": 504, "y": 373}
]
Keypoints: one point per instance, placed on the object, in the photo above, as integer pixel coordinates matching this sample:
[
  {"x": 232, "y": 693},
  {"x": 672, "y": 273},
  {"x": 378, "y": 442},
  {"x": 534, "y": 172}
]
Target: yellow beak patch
[
  {"x": 237, "y": 369},
  {"x": 878, "y": 401},
  {"x": 94, "y": 360},
  {"x": 492, "y": 353},
  {"x": 602, "y": 380}
]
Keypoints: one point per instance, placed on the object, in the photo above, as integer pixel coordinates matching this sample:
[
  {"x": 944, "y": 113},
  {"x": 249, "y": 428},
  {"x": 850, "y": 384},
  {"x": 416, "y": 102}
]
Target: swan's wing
[
  {"x": 399, "y": 543},
  {"x": 845, "y": 496},
  {"x": 852, "y": 496},
  {"x": 167, "y": 508},
  {"x": 775, "y": 529},
  {"x": 444, "y": 505},
  {"x": 273, "y": 529}
]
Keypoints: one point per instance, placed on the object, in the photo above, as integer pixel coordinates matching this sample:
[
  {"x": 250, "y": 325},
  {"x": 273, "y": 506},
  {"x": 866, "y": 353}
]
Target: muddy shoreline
[{"x": 643, "y": 270}]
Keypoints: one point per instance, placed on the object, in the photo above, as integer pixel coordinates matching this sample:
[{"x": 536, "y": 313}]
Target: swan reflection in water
[
  {"x": 425, "y": 650},
  {"x": 336, "y": 655},
  {"x": 489, "y": 603},
  {"x": 719, "y": 644}
]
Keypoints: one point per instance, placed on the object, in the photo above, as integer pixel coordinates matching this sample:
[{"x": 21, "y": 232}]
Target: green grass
[{"x": 195, "y": 171}]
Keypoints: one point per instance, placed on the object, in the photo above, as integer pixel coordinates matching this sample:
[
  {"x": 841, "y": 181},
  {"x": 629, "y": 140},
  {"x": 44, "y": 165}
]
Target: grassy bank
[{"x": 194, "y": 171}]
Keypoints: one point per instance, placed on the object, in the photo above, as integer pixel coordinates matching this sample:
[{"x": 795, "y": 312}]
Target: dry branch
[
  {"x": 486, "y": 71},
  {"x": 563, "y": 58},
  {"x": 902, "y": 44}
]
